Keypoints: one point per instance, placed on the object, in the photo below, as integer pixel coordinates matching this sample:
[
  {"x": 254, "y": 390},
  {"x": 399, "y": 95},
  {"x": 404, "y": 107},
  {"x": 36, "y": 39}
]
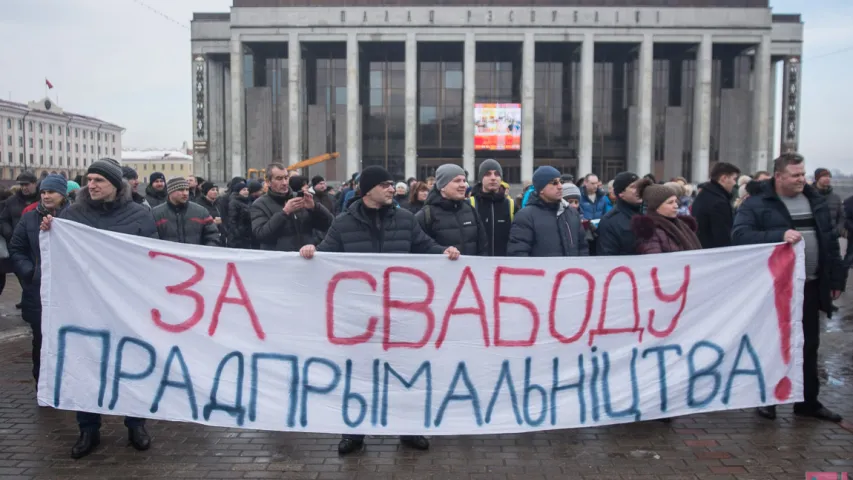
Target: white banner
[{"x": 413, "y": 344}]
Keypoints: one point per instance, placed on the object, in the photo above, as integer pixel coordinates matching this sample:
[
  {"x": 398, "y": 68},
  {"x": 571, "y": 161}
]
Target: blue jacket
[
  {"x": 763, "y": 218},
  {"x": 594, "y": 211},
  {"x": 526, "y": 199}
]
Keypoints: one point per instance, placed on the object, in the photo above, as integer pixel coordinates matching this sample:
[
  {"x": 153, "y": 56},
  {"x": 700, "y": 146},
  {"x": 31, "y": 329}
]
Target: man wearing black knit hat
[
  {"x": 371, "y": 224},
  {"x": 615, "y": 236},
  {"x": 321, "y": 193},
  {"x": 155, "y": 192},
  {"x": 132, "y": 178},
  {"x": 106, "y": 204}
]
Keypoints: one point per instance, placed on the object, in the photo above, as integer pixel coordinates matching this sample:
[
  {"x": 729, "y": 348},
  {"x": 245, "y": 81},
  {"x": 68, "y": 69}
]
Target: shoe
[
  {"x": 767, "y": 412},
  {"x": 821, "y": 413},
  {"x": 18, "y": 306},
  {"x": 139, "y": 437},
  {"x": 418, "y": 442},
  {"x": 88, "y": 441},
  {"x": 349, "y": 445}
]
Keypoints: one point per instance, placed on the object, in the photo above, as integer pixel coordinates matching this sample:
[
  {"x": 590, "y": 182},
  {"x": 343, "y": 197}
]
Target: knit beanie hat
[
  {"x": 255, "y": 186},
  {"x": 129, "y": 173},
  {"x": 543, "y": 176},
  {"x": 486, "y": 166},
  {"x": 446, "y": 173},
  {"x": 676, "y": 187},
  {"x": 623, "y": 181},
  {"x": 72, "y": 185},
  {"x": 820, "y": 173},
  {"x": 54, "y": 183},
  {"x": 175, "y": 184},
  {"x": 235, "y": 181},
  {"x": 236, "y": 187},
  {"x": 571, "y": 191},
  {"x": 296, "y": 182},
  {"x": 26, "y": 177},
  {"x": 371, "y": 177},
  {"x": 653, "y": 194},
  {"x": 156, "y": 176},
  {"x": 109, "y": 169},
  {"x": 206, "y": 187},
  {"x": 316, "y": 179}
]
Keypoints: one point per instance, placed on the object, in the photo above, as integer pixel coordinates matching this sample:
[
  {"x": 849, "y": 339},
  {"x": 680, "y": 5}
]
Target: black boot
[
  {"x": 418, "y": 442},
  {"x": 139, "y": 437},
  {"x": 767, "y": 412},
  {"x": 821, "y": 413},
  {"x": 349, "y": 445},
  {"x": 88, "y": 441}
]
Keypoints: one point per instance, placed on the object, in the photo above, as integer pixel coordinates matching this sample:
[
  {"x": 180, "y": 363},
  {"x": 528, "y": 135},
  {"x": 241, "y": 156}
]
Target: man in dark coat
[
  {"x": 321, "y": 193},
  {"x": 541, "y": 229},
  {"x": 240, "y": 215},
  {"x": 106, "y": 204},
  {"x": 132, "y": 178},
  {"x": 848, "y": 228},
  {"x": 786, "y": 209},
  {"x": 26, "y": 256},
  {"x": 283, "y": 220},
  {"x": 494, "y": 207},
  {"x": 179, "y": 220},
  {"x": 447, "y": 218},
  {"x": 371, "y": 224},
  {"x": 14, "y": 208},
  {"x": 208, "y": 193},
  {"x": 823, "y": 184},
  {"x": 223, "y": 202},
  {"x": 615, "y": 236},
  {"x": 712, "y": 208},
  {"x": 155, "y": 192}
]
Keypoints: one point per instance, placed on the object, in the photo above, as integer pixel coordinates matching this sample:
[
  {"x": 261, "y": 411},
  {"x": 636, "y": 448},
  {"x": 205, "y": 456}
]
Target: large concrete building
[
  {"x": 661, "y": 86},
  {"x": 40, "y": 136}
]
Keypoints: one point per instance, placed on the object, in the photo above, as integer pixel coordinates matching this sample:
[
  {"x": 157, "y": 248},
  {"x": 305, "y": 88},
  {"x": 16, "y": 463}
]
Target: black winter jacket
[
  {"x": 494, "y": 211},
  {"x": 763, "y": 218},
  {"x": 12, "y": 211},
  {"x": 120, "y": 215},
  {"x": 388, "y": 230},
  {"x": 836, "y": 209},
  {"x": 155, "y": 197},
  {"x": 240, "y": 222},
  {"x": 715, "y": 216},
  {"x": 453, "y": 224},
  {"x": 26, "y": 256},
  {"x": 539, "y": 232},
  {"x": 286, "y": 233},
  {"x": 189, "y": 223},
  {"x": 214, "y": 212},
  {"x": 615, "y": 235},
  {"x": 139, "y": 199},
  {"x": 848, "y": 218}
]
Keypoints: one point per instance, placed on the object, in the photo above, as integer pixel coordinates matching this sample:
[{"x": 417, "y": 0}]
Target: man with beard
[
  {"x": 321, "y": 193},
  {"x": 193, "y": 187},
  {"x": 450, "y": 220},
  {"x": 179, "y": 220},
  {"x": 106, "y": 204},
  {"x": 132, "y": 178},
  {"x": 283, "y": 220},
  {"x": 371, "y": 224},
  {"x": 155, "y": 192},
  {"x": 495, "y": 208}
]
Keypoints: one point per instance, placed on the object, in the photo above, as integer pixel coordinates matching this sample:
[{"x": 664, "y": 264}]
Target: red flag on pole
[{"x": 47, "y": 82}]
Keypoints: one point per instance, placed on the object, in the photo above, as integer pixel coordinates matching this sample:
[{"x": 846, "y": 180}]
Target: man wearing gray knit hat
[
  {"x": 179, "y": 220},
  {"x": 495, "y": 207},
  {"x": 447, "y": 218}
]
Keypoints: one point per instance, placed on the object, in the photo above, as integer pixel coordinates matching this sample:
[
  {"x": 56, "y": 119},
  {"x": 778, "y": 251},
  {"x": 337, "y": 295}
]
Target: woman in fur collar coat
[{"x": 662, "y": 230}]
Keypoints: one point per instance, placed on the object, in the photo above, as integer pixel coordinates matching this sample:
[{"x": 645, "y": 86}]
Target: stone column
[
  {"x": 586, "y": 102},
  {"x": 294, "y": 62},
  {"x": 760, "y": 104},
  {"x": 702, "y": 111},
  {"x": 791, "y": 88},
  {"x": 644, "y": 120},
  {"x": 469, "y": 68},
  {"x": 237, "y": 161},
  {"x": 353, "y": 118},
  {"x": 411, "y": 168},
  {"x": 771, "y": 108},
  {"x": 528, "y": 73}
]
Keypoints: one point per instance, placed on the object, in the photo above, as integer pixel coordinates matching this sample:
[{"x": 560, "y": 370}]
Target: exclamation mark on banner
[{"x": 781, "y": 265}]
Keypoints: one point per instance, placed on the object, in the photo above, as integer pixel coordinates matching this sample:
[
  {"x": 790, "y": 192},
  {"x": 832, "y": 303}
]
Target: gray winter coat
[
  {"x": 539, "y": 232},
  {"x": 836, "y": 209},
  {"x": 189, "y": 223}
]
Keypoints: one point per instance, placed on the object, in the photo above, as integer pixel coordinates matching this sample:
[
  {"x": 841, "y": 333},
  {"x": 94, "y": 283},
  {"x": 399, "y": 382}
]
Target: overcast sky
[{"x": 121, "y": 62}]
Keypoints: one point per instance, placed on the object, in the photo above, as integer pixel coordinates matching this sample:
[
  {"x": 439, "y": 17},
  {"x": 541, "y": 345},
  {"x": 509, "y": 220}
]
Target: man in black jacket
[
  {"x": 283, "y": 220},
  {"x": 447, "y": 218},
  {"x": 547, "y": 226},
  {"x": 106, "y": 204},
  {"x": 788, "y": 210},
  {"x": 179, "y": 220},
  {"x": 823, "y": 184},
  {"x": 615, "y": 235},
  {"x": 495, "y": 208},
  {"x": 712, "y": 208},
  {"x": 14, "y": 208},
  {"x": 155, "y": 192},
  {"x": 371, "y": 224},
  {"x": 132, "y": 178}
]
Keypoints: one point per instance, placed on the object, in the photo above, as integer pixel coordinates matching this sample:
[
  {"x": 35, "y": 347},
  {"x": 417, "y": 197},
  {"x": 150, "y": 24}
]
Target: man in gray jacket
[
  {"x": 823, "y": 184},
  {"x": 179, "y": 220},
  {"x": 542, "y": 228}
]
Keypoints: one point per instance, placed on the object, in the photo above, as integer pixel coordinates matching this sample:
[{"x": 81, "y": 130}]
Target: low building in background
[
  {"x": 40, "y": 136},
  {"x": 170, "y": 163}
]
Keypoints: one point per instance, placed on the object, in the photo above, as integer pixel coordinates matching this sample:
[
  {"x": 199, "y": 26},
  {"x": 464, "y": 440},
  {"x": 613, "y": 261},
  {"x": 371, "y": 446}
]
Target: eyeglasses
[
  {"x": 387, "y": 184},
  {"x": 556, "y": 182}
]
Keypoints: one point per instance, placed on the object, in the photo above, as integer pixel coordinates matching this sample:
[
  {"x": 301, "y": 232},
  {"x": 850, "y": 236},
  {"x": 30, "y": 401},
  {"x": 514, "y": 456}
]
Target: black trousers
[
  {"x": 33, "y": 318},
  {"x": 848, "y": 257},
  {"x": 811, "y": 343}
]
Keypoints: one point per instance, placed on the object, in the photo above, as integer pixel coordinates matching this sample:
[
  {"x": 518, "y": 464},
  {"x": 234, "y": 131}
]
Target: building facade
[
  {"x": 40, "y": 136},
  {"x": 169, "y": 163},
  {"x": 654, "y": 86}
]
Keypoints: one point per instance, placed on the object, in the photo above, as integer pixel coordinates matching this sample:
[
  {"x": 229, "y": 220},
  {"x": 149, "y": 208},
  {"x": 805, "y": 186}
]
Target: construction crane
[{"x": 255, "y": 173}]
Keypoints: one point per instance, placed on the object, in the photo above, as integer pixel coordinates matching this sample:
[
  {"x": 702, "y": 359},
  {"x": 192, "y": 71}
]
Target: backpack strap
[{"x": 473, "y": 202}]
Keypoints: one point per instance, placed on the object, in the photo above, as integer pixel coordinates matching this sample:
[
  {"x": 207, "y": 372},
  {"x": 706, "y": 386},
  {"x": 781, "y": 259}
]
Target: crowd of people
[{"x": 553, "y": 216}]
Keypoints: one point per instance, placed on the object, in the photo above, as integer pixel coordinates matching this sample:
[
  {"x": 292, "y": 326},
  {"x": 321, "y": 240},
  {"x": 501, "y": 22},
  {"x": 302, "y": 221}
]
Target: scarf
[{"x": 678, "y": 230}]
